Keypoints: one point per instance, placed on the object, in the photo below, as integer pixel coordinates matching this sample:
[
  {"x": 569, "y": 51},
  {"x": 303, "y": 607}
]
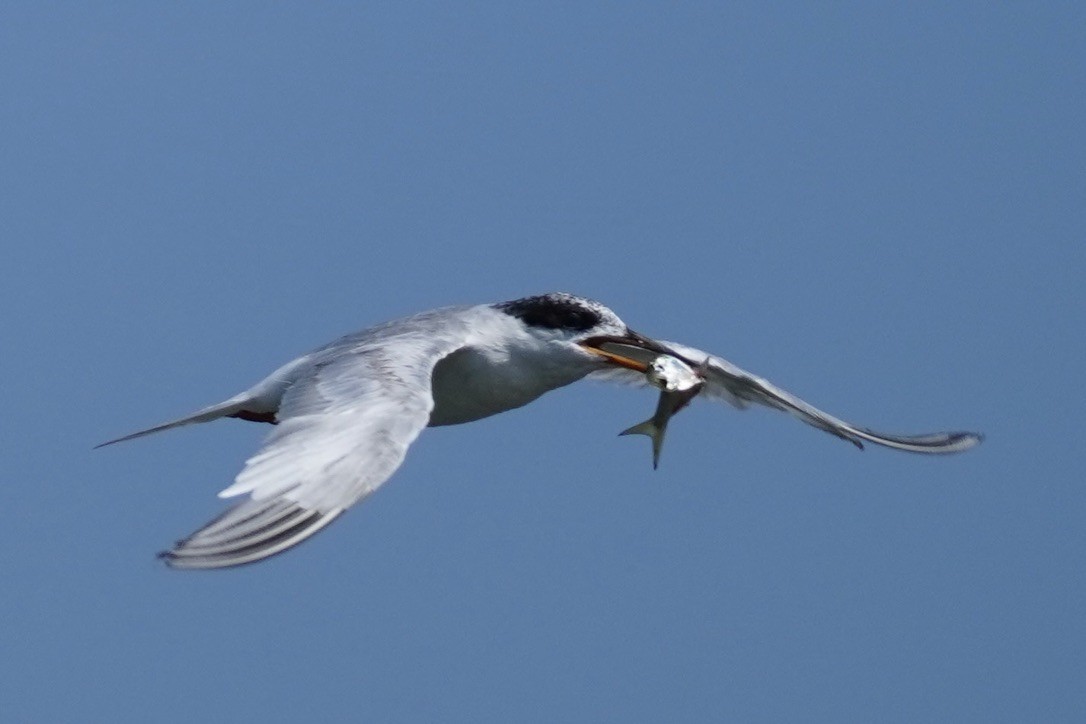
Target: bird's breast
[{"x": 471, "y": 384}]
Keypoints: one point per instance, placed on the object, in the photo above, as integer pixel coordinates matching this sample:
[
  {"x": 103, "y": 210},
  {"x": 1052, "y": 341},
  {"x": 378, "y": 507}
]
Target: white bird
[{"x": 346, "y": 413}]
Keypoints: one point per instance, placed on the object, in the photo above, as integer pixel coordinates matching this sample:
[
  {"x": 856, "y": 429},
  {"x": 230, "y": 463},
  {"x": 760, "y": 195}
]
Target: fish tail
[
  {"x": 642, "y": 428},
  {"x": 655, "y": 432}
]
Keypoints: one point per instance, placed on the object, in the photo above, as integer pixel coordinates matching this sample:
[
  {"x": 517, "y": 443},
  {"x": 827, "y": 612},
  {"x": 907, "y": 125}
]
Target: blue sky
[{"x": 878, "y": 207}]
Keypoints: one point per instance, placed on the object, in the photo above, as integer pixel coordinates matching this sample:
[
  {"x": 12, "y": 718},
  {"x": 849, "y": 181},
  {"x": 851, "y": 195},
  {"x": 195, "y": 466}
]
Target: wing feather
[
  {"x": 734, "y": 385},
  {"x": 345, "y": 425}
]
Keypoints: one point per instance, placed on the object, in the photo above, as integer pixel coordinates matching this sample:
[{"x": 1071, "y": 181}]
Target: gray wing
[
  {"x": 344, "y": 428},
  {"x": 729, "y": 383}
]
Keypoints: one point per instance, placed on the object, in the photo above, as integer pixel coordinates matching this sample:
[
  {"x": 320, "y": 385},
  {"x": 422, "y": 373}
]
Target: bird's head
[{"x": 590, "y": 327}]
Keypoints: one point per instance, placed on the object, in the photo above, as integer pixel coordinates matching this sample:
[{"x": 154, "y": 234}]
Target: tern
[{"x": 346, "y": 413}]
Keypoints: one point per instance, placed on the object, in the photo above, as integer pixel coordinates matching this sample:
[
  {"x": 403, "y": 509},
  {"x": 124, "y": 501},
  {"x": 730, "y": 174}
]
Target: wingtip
[
  {"x": 169, "y": 556},
  {"x": 938, "y": 443},
  {"x": 967, "y": 440},
  {"x": 248, "y": 532},
  {"x": 961, "y": 441}
]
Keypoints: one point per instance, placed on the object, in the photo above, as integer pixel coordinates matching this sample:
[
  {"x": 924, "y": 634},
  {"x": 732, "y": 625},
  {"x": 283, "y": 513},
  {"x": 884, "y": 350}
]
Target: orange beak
[
  {"x": 617, "y": 359},
  {"x": 633, "y": 351}
]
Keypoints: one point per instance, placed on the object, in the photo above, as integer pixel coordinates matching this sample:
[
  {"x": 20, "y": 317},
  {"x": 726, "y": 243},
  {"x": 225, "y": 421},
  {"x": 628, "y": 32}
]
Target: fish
[{"x": 679, "y": 384}]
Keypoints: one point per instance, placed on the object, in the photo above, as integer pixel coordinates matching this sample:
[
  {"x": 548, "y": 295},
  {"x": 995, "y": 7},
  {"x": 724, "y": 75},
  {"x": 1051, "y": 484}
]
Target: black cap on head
[{"x": 555, "y": 311}]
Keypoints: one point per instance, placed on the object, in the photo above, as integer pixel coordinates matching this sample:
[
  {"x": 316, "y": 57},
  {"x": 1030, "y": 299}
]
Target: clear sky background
[{"x": 879, "y": 207}]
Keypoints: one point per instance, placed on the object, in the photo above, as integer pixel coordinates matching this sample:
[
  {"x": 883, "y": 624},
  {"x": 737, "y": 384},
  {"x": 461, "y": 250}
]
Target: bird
[{"x": 345, "y": 414}]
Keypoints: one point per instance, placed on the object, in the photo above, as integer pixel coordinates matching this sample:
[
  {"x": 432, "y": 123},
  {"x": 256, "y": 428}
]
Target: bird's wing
[
  {"x": 344, "y": 427},
  {"x": 727, "y": 382}
]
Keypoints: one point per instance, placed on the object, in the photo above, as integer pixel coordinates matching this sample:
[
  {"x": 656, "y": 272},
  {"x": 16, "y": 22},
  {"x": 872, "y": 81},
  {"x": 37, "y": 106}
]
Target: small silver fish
[{"x": 678, "y": 383}]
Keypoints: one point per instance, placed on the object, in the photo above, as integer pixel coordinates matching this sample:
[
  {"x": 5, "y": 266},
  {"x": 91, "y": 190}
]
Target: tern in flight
[{"x": 346, "y": 413}]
